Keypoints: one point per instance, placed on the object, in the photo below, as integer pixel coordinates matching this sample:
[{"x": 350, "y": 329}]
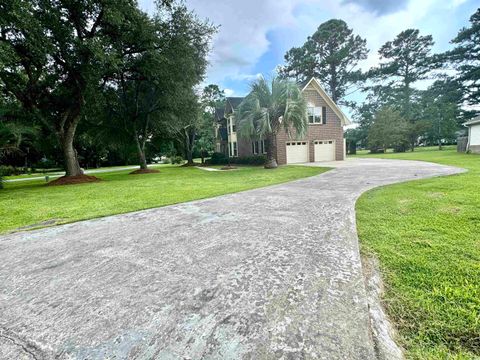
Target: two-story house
[{"x": 323, "y": 140}]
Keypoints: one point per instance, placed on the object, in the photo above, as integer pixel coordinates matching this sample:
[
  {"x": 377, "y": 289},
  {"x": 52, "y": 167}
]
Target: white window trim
[{"x": 316, "y": 112}]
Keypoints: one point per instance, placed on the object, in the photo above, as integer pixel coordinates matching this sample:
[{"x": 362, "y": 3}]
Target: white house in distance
[{"x": 473, "y": 126}]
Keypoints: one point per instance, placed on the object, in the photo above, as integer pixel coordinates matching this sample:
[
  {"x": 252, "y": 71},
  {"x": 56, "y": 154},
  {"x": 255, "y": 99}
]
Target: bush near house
[{"x": 221, "y": 159}]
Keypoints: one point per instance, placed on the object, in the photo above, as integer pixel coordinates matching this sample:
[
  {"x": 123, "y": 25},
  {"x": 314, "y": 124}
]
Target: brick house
[{"x": 323, "y": 140}]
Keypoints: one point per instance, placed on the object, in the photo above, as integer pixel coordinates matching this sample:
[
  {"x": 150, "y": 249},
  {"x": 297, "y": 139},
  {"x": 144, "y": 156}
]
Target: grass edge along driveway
[
  {"x": 426, "y": 234},
  {"x": 32, "y": 204}
]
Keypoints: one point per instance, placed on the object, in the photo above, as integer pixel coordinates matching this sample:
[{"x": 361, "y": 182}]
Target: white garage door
[
  {"x": 297, "y": 152},
  {"x": 324, "y": 150}
]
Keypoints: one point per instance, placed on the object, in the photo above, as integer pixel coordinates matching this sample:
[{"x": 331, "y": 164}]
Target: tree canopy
[{"x": 331, "y": 55}]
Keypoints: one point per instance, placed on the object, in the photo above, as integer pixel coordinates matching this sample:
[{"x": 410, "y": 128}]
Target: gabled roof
[
  {"x": 474, "y": 121},
  {"x": 219, "y": 114},
  {"x": 235, "y": 101},
  {"x": 316, "y": 84}
]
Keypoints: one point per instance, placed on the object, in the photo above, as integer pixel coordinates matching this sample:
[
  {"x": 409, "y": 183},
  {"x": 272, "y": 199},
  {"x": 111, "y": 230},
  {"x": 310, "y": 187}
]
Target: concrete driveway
[{"x": 272, "y": 273}]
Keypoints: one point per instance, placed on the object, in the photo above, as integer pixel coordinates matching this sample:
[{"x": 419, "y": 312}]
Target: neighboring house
[
  {"x": 473, "y": 144},
  {"x": 323, "y": 141}
]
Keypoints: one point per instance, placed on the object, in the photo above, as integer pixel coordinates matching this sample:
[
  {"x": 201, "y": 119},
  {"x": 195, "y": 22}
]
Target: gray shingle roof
[
  {"x": 234, "y": 101},
  {"x": 219, "y": 113}
]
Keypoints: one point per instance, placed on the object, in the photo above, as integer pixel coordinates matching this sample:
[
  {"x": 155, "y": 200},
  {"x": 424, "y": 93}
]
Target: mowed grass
[
  {"x": 426, "y": 235},
  {"x": 32, "y": 203}
]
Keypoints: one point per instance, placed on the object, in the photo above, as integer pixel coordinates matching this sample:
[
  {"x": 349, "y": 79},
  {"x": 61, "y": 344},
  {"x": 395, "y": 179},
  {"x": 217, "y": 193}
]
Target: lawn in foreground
[
  {"x": 426, "y": 235},
  {"x": 33, "y": 204}
]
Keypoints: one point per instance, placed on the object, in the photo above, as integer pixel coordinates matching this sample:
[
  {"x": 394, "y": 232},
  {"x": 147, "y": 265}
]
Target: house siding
[{"x": 332, "y": 130}]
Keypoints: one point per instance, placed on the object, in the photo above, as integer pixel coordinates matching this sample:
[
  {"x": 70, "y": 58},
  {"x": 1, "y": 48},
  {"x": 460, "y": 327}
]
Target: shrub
[
  {"x": 176, "y": 160},
  {"x": 217, "y": 159},
  {"x": 1, "y": 182},
  {"x": 249, "y": 160},
  {"x": 7, "y": 170},
  {"x": 221, "y": 159}
]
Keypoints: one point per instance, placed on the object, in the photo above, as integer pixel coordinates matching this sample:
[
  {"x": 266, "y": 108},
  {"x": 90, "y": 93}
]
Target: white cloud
[
  {"x": 229, "y": 92},
  {"x": 242, "y": 37}
]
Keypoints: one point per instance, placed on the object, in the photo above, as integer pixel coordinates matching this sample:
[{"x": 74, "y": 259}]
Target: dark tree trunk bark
[
  {"x": 189, "y": 141},
  {"x": 271, "y": 151},
  {"x": 141, "y": 153},
  {"x": 66, "y": 136}
]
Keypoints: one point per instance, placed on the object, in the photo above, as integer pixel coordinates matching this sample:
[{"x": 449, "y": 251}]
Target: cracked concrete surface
[{"x": 271, "y": 273}]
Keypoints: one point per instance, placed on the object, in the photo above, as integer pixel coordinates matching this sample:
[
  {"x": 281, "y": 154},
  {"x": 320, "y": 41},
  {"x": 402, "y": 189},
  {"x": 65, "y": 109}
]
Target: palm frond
[{"x": 269, "y": 106}]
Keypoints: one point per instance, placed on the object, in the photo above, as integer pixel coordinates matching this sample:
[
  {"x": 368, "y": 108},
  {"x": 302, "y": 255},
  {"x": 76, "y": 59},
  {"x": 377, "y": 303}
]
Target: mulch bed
[
  {"x": 144, "y": 171},
  {"x": 71, "y": 180}
]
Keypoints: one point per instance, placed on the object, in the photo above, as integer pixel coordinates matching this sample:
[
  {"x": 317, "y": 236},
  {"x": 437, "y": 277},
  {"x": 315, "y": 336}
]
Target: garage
[
  {"x": 297, "y": 152},
  {"x": 324, "y": 150}
]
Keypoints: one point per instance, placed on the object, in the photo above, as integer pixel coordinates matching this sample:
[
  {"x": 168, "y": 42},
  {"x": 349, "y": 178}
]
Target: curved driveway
[{"x": 263, "y": 274}]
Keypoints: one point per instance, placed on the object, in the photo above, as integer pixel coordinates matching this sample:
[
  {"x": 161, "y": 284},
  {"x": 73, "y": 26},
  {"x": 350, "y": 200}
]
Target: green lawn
[
  {"x": 426, "y": 235},
  {"x": 31, "y": 203}
]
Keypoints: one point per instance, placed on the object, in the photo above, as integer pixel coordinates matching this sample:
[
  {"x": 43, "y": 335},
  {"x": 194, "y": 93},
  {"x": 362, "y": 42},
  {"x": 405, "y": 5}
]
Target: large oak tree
[{"x": 55, "y": 54}]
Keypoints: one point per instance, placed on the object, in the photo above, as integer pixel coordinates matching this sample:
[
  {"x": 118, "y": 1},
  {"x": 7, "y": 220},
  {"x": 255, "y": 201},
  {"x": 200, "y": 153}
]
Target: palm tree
[{"x": 267, "y": 108}]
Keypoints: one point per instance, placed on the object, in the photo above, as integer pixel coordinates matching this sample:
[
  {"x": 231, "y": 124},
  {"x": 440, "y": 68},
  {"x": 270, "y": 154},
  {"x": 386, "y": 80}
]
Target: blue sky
[{"x": 255, "y": 34}]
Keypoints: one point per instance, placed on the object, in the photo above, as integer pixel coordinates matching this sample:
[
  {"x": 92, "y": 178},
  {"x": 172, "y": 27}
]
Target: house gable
[{"x": 313, "y": 83}]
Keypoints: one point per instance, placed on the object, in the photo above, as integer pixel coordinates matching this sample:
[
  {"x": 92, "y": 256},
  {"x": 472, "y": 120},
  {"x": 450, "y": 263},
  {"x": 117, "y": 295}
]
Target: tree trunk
[
  {"x": 439, "y": 144},
  {"x": 189, "y": 141},
  {"x": 271, "y": 152},
  {"x": 141, "y": 153},
  {"x": 72, "y": 167}
]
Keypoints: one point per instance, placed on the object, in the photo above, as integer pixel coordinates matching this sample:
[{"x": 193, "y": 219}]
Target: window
[
  {"x": 258, "y": 147},
  {"x": 233, "y": 126},
  {"x": 316, "y": 114},
  {"x": 234, "y": 151},
  {"x": 254, "y": 147},
  {"x": 228, "y": 126}
]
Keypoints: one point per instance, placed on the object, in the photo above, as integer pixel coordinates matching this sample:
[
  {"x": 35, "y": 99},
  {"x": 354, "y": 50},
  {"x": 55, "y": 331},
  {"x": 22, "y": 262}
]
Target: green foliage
[
  {"x": 268, "y": 107},
  {"x": 54, "y": 54},
  {"x": 217, "y": 159},
  {"x": 221, "y": 159},
  {"x": 389, "y": 129},
  {"x": 353, "y": 138},
  {"x": 249, "y": 160},
  {"x": 152, "y": 94},
  {"x": 466, "y": 58},
  {"x": 404, "y": 61},
  {"x": 8, "y": 170},
  {"x": 425, "y": 234},
  {"x": 440, "y": 111},
  {"x": 176, "y": 159},
  {"x": 31, "y": 202},
  {"x": 331, "y": 54}
]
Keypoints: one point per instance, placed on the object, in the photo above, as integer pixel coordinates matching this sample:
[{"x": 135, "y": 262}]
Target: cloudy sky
[{"x": 255, "y": 34}]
